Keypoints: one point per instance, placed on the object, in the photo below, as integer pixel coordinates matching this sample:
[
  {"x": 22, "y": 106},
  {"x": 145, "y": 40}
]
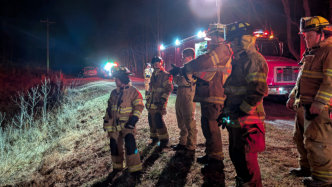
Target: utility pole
[
  {"x": 218, "y": 5},
  {"x": 47, "y": 43}
]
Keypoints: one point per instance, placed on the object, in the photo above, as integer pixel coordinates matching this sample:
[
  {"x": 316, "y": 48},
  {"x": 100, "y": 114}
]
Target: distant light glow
[
  {"x": 162, "y": 47},
  {"x": 108, "y": 66},
  {"x": 177, "y": 42},
  {"x": 201, "y": 34}
]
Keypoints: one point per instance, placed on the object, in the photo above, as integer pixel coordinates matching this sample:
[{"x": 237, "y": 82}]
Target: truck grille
[{"x": 286, "y": 74}]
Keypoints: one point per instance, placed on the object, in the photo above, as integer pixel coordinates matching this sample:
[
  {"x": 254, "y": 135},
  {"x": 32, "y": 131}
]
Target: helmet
[
  {"x": 237, "y": 29},
  {"x": 216, "y": 29},
  {"x": 156, "y": 59},
  {"x": 122, "y": 73},
  {"x": 315, "y": 23}
]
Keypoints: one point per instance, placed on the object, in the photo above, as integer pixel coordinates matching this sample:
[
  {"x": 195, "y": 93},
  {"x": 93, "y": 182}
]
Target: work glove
[
  {"x": 131, "y": 122},
  {"x": 175, "y": 70},
  {"x": 222, "y": 120}
]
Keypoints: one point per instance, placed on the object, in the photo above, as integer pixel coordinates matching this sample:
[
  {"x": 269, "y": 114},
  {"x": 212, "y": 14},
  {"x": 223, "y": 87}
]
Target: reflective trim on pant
[
  {"x": 135, "y": 168},
  {"x": 211, "y": 130},
  {"x": 185, "y": 115},
  {"x": 157, "y": 125},
  {"x": 299, "y": 139},
  {"x": 132, "y": 159},
  {"x": 244, "y": 160},
  {"x": 318, "y": 143}
]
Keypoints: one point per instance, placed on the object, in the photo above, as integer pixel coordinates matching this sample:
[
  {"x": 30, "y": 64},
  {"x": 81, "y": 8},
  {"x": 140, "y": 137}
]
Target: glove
[
  {"x": 175, "y": 70},
  {"x": 131, "y": 122},
  {"x": 221, "y": 120}
]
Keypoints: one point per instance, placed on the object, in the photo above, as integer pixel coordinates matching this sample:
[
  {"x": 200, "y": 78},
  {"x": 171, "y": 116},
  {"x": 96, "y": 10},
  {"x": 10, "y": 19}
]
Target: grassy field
[{"x": 71, "y": 149}]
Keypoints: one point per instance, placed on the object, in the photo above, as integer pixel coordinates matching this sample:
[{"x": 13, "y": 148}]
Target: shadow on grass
[
  {"x": 108, "y": 180},
  {"x": 176, "y": 171}
]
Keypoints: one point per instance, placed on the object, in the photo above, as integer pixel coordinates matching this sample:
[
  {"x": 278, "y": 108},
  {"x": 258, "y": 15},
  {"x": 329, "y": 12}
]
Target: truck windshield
[{"x": 268, "y": 47}]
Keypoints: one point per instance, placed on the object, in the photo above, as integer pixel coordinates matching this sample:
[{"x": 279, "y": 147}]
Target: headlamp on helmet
[{"x": 315, "y": 23}]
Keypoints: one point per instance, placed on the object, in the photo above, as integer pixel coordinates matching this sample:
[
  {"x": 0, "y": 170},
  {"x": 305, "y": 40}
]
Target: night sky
[{"x": 87, "y": 32}]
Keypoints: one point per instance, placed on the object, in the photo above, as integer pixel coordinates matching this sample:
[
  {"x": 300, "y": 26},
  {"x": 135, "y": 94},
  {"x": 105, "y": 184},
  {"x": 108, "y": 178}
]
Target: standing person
[
  {"x": 147, "y": 76},
  {"x": 314, "y": 93},
  {"x": 156, "y": 101},
  {"x": 125, "y": 106},
  {"x": 298, "y": 138},
  {"x": 211, "y": 70},
  {"x": 245, "y": 89},
  {"x": 185, "y": 107}
]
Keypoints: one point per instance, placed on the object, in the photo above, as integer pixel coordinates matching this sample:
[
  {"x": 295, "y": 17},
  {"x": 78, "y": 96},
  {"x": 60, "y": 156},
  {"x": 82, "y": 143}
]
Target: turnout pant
[
  {"x": 157, "y": 125},
  {"x": 318, "y": 143},
  {"x": 211, "y": 130},
  {"x": 126, "y": 137},
  {"x": 185, "y": 115},
  {"x": 244, "y": 144},
  {"x": 299, "y": 138}
]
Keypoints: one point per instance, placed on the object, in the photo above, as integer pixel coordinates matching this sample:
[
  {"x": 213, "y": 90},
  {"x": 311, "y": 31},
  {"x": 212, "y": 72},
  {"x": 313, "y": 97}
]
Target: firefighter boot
[
  {"x": 311, "y": 182},
  {"x": 214, "y": 172},
  {"x": 203, "y": 160},
  {"x": 163, "y": 144},
  {"x": 300, "y": 172},
  {"x": 154, "y": 141},
  {"x": 240, "y": 183}
]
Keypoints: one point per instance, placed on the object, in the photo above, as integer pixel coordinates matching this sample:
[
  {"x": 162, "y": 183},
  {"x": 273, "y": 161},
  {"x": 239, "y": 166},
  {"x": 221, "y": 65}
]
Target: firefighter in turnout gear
[
  {"x": 314, "y": 91},
  {"x": 156, "y": 101},
  {"x": 185, "y": 107},
  {"x": 211, "y": 70},
  {"x": 243, "y": 113},
  {"x": 125, "y": 106},
  {"x": 293, "y": 104},
  {"x": 147, "y": 77}
]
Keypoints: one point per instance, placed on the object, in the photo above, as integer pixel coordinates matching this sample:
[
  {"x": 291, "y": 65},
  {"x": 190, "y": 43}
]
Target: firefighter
[
  {"x": 314, "y": 93},
  {"x": 125, "y": 106},
  {"x": 211, "y": 70},
  {"x": 243, "y": 113},
  {"x": 293, "y": 104},
  {"x": 147, "y": 76},
  {"x": 156, "y": 101},
  {"x": 185, "y": 107}
]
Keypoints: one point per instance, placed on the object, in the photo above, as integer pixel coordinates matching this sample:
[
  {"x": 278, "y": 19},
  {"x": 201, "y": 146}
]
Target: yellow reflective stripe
[
  {"x": 124, "y": 118},
  {"x": 219, "y": 155},
  {"x": 152, "y": 106},
  {"x": 109, "y": 128},
  {"x": 137, "y": 167},
  {"x": 118, "y": 165},
  {"x": 246, "y": 107},
  {"x": 260, "y": 77},
  {"x": 312, "y": 74},
  {"x": 208, "y": 76},
  {"x": 138, "y": 102},
  {"x": 323, "y": 95},
  {"x": 153, "y": 135},
  {"x": 165, "y": 95},
  {"x": 163, "y": 136},
  {"x": 218, "y": 100},
  {"x": 214, "y": 58},
  {"x": 328, "y": 72},
  {"x": 322, "y": 174},
  {"x": 137, "y": 113}
]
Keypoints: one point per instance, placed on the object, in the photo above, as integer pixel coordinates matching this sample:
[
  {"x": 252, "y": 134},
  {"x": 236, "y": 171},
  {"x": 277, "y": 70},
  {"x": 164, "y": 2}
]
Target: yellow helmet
[
  {"x": 315, "y": 23},
  {"x": 216, "y": 29},
  {"x": 237, "y": 29}
]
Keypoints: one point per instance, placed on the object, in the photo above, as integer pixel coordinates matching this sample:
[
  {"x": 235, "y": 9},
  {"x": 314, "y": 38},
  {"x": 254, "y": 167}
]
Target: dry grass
[{"x": 80, "y": 155}]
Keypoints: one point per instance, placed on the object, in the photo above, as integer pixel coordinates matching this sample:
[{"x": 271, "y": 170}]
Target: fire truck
[{"x": 282, "y": 71}]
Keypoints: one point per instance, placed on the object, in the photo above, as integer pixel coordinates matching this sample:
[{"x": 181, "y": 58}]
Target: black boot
[
  {"x": 154, "y": 141},
  {"x": 203, "y": 160},
  {"x": 300, "y": 172},
  {"x": 214, "y": 172},
  {"x": 163, "y": 144}
]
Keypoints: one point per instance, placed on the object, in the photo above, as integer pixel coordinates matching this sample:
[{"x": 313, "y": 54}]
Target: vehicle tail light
[
  {"x": 279, "y": 71},
  {"x": 296, "y": 70}
]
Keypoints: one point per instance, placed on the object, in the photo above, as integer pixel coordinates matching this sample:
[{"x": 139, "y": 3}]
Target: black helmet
[
  {"x": 156, "y": 59},
  {"x": 121, "y": 73},
  {"x": 236, "y": 30}
]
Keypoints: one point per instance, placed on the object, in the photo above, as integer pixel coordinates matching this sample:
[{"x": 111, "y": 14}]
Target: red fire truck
[{"x": 282, "y": 71}]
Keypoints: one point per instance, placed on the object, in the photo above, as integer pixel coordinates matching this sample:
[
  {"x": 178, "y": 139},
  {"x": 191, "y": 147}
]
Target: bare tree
[
  {"x": 306, "y": 8},
  {"x": 289, "y": 29}
]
